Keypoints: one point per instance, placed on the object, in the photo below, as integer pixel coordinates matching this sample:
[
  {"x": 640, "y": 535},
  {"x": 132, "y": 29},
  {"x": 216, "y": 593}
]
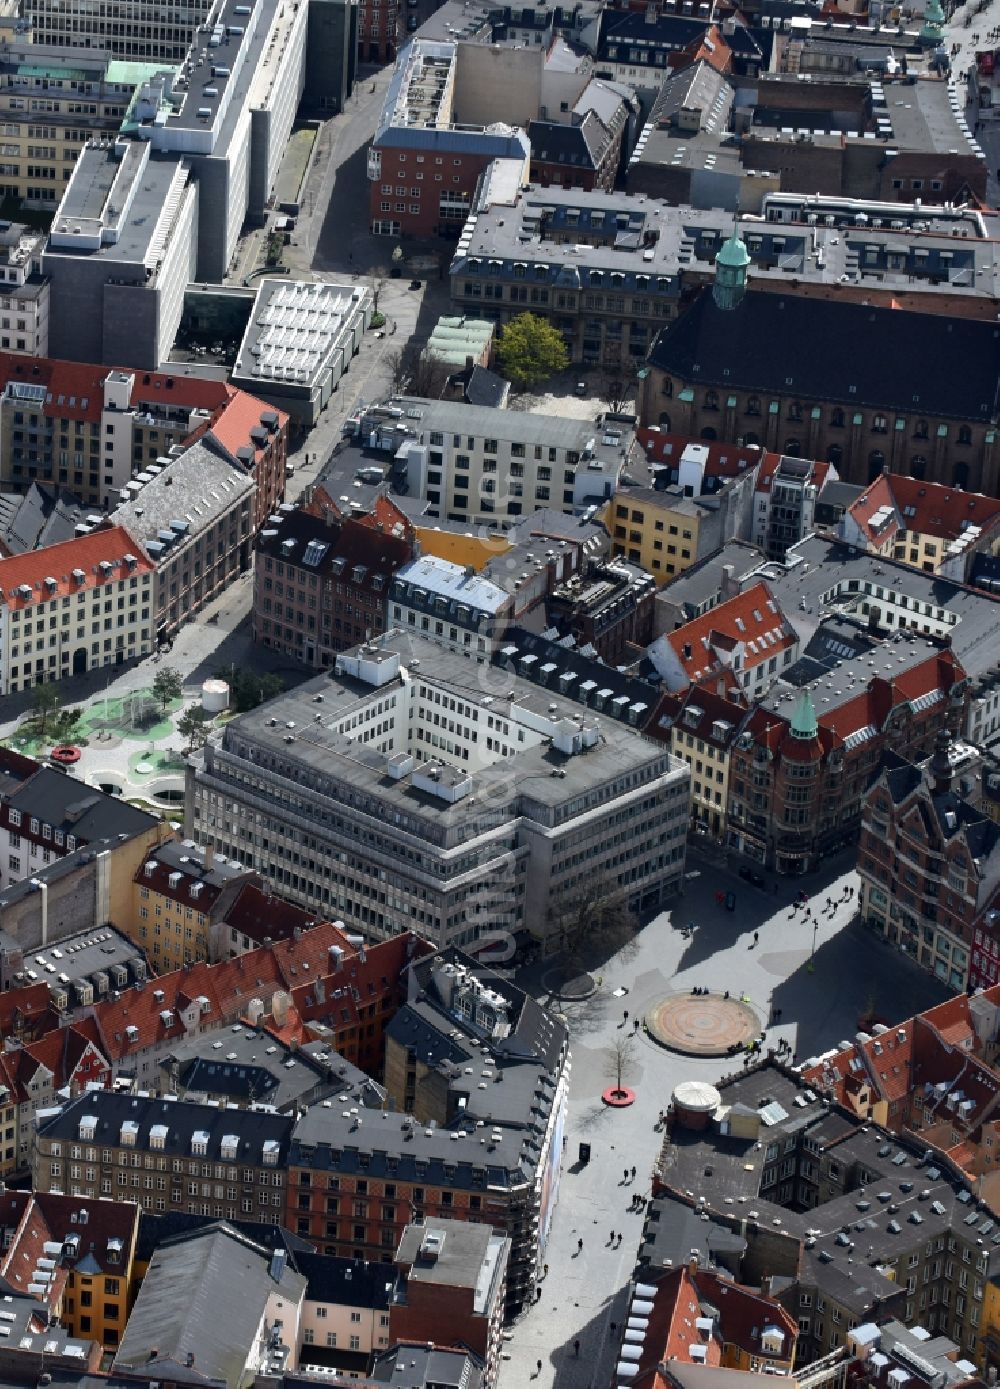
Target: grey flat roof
[
  {"x": 248, "y": 1066},
  {"x": 816, "y": 568},
  {"x": 82, "y": 955},
  {"x": 687, "y": 239},
  {"x": 87, "y": 197},
  {"x": 529, "y": 774}
]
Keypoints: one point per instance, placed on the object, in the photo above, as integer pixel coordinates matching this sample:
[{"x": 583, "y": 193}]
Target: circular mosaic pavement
[{"x": 702, "y": 1024}]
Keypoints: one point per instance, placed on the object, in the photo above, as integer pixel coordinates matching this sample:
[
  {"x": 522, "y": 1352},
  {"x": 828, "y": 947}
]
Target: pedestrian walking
[
  {"x": 576, "y": 1347},
  {"x": 633, "y": 1174},
  {"x": 626, "y": 1015},
  {"x": 635, "y": 1025},
  {"x": 618, "y": 1245},
  {"x": 579, "y": 1245},
  {"x": 611, "y": 1237},
  {"x": 538, "y": 1368},
  {"x": 625, "y": 1178},
  {"x": 756, "y": 937},
  {"x": 545, "y": 1270}
]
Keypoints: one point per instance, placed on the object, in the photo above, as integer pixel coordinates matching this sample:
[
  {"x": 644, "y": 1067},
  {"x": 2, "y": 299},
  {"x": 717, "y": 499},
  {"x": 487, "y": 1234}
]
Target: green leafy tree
[
  {"x": 167, "y": 685},
  {"x": 192, "y": 727},
  {"x": 46, "y": 703},
  {"x": 531, "y": 350},
  {"x": 247, "y": 689}
]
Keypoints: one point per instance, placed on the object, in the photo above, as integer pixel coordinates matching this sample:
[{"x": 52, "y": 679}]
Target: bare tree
[
  {"x": 595, "y": 923},
  {"x": 378, "y": 285},
  {"x": 414, "y": 371},
  {"x": 621, "y": 1054},
  {"x": 618, "y": 388}
]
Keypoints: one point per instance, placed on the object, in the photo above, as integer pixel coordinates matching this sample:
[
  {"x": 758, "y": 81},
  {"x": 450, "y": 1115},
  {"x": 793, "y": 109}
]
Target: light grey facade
[
  {"x": 411, "y": 789},
  {"x": 119, "y": 256}
]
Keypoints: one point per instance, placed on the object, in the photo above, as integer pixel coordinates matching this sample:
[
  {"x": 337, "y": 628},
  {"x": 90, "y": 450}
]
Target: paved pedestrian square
[{"x": 585, "y": 1294}]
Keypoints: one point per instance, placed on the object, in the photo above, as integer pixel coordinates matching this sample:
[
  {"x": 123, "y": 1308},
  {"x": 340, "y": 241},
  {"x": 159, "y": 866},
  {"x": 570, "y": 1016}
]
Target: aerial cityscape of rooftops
[{"x": 499, "y": 694}]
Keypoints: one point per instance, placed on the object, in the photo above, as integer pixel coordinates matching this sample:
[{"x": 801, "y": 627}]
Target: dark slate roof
[
  {"x": 204, "y": 1294},
  {"x": 419, "y": 1367},
  {"x": 580, "y": 146},
  {"x": 353, "y": 1282},
  {"x": 667, "y": 31},
  {"x": 182, "y": 1120},
  {"x": 480, "y": 386},
  {"x": 518, "y": 642},
  {"x": 953, "y": 814},
  {"x": 42, "y": 516},
  {"x": 66, "y": 804},
  {"x": 921, "y": 364},
  {"x": 155, "y": 1229},
  {"x": 836, "y": 492}
]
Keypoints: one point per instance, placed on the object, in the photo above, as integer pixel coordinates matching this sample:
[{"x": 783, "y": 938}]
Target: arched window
[
  {"x": 667, "y": 388},
  {"x": 918, "y": 467},
  {"x": 711, "y": 400},
  {"x": 795, "y": 411},
  {"x": 664, "y": 421},
  {"x": 964, "y": 434},
  {"x": 753, "y": 405},
  {"x": 837, "y": 419},
  {"x": 960, "y": 476},
  {"x": 876, "y": 462},
  {"x": 750, "y": 439},
  {"x": 920, "y": 429},
  {"x": 793, "y": 448},
  {"x": 835, "y": 455},
  {"x": 709, "y": 433}
]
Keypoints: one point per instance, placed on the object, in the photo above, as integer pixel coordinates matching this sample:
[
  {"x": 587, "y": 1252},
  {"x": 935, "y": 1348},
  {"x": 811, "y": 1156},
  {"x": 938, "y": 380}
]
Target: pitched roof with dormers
[
  {"x": 894, "y": 503},
  {"x": 750, "y": 624},
  {"x": 103, "y": 556},
  {"x": 34, "y": 1222}
]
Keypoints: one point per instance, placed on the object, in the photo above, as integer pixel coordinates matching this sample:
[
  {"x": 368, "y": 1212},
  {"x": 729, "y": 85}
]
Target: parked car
[
  {"x": 750, "y": 875},
  {"x": 580, "y": 388}
]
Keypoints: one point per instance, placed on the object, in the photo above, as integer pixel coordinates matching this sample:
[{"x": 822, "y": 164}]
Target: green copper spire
[
  {"x": 731, "y": 271},
  {"x": 932, "y": 29},
  {"x": 804, "y": 723}
]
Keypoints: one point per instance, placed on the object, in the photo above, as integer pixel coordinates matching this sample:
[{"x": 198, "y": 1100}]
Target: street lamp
[{"x": 812, "y": 953}]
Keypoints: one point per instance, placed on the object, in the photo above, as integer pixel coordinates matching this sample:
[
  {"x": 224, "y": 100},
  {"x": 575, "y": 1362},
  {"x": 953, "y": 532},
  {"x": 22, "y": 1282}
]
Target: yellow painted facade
[
  {"x": 172, "y": 933},
  {"x": 660, "y": 537},
  {"x": 709, "y": 777},
  {"x": 472, "y": 550},
  {"x": 95, "y": 1306}
]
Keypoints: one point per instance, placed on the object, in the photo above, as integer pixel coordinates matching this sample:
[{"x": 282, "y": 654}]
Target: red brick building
[
  {"x": 422, "y": 169},
  {"x": 929, "y": 861},
  {"x": 452, "y": 1276},
  {"x": 797, "y": 780},
  {"x": 378, "y": 30},
  {"x": 320, "y": 585}
]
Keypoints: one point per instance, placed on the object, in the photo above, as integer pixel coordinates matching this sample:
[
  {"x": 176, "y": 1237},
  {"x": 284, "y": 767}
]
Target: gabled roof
[
  {"x": 810, "y": 349},
  {"x": 204, "y": 1296},
  {"x": 751, "y": 621},
  {"x": 928, "y": 508},
  {"x": 86, "y": 553}
]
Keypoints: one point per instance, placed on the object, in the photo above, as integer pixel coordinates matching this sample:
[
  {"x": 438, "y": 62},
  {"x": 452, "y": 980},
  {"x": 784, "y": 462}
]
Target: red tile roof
[
  {"x": 751, "y": 620},
  {"x": 697, "y": 710},
  {"x": 768, "y": 468},
  {"x": 37, "y": 1219},
  {"x": 928, "y": 508},
  {"x": 57, "y": 562},
  {"x": 241, "y": 413},
  {"x": 724, "y": 460},
  {"x": 74, "y": 390},
  {"x": 177, "y": 390}
]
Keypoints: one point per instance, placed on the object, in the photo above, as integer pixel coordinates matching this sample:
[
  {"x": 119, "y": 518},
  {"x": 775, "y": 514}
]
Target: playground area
[{"x": 128, "y": 746}]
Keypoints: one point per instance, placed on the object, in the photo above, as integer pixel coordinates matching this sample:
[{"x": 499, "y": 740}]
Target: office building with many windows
[{"x": 411, "y": 788}]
